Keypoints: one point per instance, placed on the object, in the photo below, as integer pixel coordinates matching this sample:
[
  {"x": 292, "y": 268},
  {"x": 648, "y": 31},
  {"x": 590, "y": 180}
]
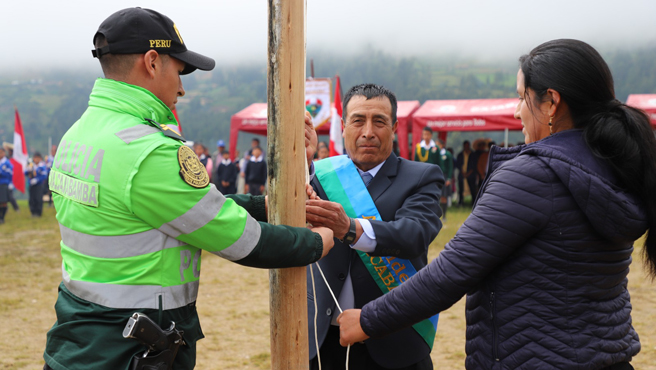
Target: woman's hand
[{"x": 350, "y": 331}]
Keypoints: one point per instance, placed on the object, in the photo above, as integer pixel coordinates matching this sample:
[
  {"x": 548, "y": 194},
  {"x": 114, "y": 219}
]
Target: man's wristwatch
[{"x": 349, "y": 238}]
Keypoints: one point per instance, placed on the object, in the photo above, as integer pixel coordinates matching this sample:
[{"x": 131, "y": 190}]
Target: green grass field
[{"x": 233, "y": 302}]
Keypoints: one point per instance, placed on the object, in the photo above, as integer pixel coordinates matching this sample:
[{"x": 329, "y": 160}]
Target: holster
[{"x": 161, "y": 361}]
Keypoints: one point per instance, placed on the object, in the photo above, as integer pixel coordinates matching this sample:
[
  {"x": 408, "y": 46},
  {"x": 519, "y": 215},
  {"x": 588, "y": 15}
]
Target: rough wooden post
[{"x": 286, "y": 180}]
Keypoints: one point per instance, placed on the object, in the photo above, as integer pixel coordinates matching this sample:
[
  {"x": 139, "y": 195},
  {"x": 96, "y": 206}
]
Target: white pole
[{"x": 505, "y": 138}]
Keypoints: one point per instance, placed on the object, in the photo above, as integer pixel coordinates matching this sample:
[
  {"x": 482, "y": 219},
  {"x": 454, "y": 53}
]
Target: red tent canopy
[
  {"x": 646, "y": 102},
  {"x": 404, "y": 111},
  {"x": 253, "y": 119},
  {"x": 465, "y": 115}
]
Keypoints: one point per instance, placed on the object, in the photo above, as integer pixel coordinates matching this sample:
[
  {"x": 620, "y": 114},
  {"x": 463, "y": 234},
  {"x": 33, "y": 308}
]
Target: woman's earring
[{"x": 551, "y": 125}]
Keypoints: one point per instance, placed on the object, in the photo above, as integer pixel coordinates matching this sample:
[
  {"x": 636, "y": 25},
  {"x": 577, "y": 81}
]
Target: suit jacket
[{"x": 407, "y": 195}]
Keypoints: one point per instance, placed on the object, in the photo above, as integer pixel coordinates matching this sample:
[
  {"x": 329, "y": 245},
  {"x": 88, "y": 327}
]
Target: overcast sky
[{"x": 41, "y": 33}]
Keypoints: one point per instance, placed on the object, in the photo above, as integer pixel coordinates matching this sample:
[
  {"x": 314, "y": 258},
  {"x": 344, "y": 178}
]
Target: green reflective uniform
[{"x": 134, "y": 218}]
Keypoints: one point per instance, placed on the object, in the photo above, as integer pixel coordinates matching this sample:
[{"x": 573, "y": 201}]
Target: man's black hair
[
  {"x": 370, "y": 91},
  {"x": 257, "y": 141},
  {"x": 466, "y": 142},
  {"x": 115, "y": 65},
  {"x": 37, "y": 154},
  {"x": 428, "y": 129}
]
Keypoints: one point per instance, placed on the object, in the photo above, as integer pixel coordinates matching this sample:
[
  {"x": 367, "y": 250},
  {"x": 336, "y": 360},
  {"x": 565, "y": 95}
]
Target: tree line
[{"x": 50, "y": 102}]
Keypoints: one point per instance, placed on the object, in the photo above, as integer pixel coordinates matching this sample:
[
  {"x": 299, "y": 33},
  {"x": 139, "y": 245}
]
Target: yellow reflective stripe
[
  {"x": 132, "y": 296},
  {"x": 135, "y": 132},
  {"x": 246, "y": 242},
  {"x": 198, "y": 216},
  {"x": 119, "y": 246}
]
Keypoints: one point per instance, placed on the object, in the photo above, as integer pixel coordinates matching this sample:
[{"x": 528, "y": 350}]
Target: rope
[
  {"x": 316, "y": 342},
  {"x": 314, "y": 296},
  {"x": 314, "y": 292}
]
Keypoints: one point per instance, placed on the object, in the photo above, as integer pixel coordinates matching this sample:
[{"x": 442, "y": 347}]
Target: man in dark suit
[{"x": 406, "y": 195}]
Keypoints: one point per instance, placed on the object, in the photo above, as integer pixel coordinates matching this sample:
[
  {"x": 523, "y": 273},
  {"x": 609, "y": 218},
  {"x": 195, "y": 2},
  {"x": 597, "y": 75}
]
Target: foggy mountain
[{"x": 50, "y": 102}]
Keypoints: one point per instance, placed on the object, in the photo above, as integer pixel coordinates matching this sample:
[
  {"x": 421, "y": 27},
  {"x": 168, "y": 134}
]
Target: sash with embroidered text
[{"x": 342, "y": 183}]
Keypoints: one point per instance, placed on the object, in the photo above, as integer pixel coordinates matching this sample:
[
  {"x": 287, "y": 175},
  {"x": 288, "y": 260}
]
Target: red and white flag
[
  {"x": 336, "y": 145},
  {"x": 179, "y": 126},
  {"x": 19, "y": 159}
]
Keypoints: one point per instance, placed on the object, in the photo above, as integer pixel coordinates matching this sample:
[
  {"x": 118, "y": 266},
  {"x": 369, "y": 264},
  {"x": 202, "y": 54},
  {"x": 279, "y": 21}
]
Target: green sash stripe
[{"x": 342, "y": 183}]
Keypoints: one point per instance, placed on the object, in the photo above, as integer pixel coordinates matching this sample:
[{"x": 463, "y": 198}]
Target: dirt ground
[{"x": 233, "y": 303}]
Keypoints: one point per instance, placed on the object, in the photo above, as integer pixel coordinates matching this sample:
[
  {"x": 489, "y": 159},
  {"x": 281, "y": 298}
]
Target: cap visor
[{"x": 194, "y": 61}]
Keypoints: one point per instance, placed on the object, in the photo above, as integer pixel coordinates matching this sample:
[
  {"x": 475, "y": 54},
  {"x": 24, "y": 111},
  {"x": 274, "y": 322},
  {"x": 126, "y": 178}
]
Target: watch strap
[{"x": 349, "y": 238}]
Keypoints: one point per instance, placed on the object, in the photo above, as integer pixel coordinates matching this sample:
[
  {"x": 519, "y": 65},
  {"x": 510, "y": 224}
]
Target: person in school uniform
[
  {"x": 37, "y": 173},
  {"x": 226, "y": 175},
  {"x": 256, "y": 173},
  {"x": 6, "y": 175},
  {"x": 426, "y": 150}
]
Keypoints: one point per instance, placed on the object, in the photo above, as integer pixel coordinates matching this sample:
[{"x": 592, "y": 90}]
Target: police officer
[{"x": 136, "y": 208}]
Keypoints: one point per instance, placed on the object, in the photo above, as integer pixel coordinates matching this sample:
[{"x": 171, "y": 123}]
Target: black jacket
[{"x": 543, "y": 259}]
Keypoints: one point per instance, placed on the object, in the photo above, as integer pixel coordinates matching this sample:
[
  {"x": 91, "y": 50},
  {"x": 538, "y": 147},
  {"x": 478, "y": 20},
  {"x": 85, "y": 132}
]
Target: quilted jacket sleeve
[{"x": 516, "y": 204}]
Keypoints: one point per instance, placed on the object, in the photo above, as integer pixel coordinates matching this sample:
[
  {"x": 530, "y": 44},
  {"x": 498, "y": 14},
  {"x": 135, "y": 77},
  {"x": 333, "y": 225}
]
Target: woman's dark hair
[{"x": 615, "y": 132}]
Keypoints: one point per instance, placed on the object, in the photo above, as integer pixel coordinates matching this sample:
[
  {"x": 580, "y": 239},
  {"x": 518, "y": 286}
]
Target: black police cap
[{"x": 137, "y": 30}]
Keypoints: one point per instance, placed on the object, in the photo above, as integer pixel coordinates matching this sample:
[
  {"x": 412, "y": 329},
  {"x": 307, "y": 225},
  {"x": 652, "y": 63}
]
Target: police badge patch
[{"x": 191, "y": 170}]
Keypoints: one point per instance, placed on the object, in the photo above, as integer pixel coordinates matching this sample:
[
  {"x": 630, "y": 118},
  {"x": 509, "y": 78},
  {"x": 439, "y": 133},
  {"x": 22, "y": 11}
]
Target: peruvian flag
[
  {"x": 336, "y": 145},
  {"x": 179, "y": 126},
  {"x": 19, "y": 159}
]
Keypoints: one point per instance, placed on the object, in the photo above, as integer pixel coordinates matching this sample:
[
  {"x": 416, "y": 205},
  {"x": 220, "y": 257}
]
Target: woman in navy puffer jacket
[{"x": 544, "y": 256}]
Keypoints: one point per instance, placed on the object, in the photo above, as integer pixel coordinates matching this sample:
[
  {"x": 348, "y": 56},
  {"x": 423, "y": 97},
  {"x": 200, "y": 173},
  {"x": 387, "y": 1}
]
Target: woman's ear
[{"x": 555, "y": 102}]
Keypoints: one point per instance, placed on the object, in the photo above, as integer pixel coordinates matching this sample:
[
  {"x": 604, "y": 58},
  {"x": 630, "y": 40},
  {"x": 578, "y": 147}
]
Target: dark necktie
[{"x": 366, "y": 177}]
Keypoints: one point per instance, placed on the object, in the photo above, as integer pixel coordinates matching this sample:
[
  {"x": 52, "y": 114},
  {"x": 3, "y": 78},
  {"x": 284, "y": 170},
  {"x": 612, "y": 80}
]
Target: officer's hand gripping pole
[{"x": 162, "y": 345}]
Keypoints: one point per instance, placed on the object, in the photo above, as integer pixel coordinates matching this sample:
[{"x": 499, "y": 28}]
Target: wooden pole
[{"x": 286, "y": 177}]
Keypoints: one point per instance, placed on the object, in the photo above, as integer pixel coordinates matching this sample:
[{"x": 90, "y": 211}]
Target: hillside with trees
[{"x": 49, "y": 102}]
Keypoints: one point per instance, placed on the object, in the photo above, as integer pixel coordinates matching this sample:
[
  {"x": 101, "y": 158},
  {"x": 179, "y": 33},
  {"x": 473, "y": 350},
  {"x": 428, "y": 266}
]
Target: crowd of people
[
  {"x": 248, "y": 175},
  {"x": 463, "y": 172},
  {"x": 36, "y": 176}
]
